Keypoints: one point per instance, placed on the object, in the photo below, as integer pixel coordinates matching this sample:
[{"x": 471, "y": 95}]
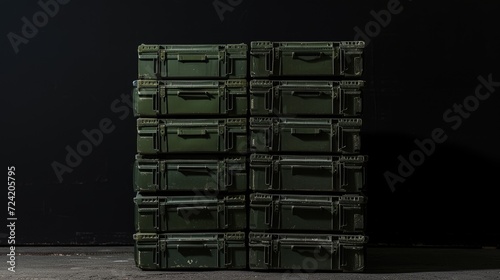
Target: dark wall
[{"x": 428, "y": 56}]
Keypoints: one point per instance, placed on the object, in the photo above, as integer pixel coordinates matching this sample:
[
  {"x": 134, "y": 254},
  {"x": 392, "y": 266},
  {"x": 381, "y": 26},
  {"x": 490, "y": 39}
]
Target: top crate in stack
[
  {"x": 158, "y": 62},
  {"x": 342, "y": 59}
]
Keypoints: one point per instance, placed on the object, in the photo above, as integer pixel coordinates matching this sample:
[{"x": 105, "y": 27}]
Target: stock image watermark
[
  {"x": 31, "y": 26},
  {"x": 381, "y": 19},
  {"x": 223, "y": 6},
  {"x": 454, "y": 118},
  {"x": 11, "y": 218},
  {"x": 92, "y": 138}
]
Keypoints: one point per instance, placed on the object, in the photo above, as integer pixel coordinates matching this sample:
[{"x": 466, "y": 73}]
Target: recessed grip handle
[
  {"x": 182, "y": 132},
  {"x": 304, "y": 55},
  {"x": 192, "y": 58}
]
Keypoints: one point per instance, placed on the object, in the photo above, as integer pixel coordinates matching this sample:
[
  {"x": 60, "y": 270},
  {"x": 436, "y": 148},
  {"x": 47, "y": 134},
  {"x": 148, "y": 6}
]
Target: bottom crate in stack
[
  {"x": 190, "y": 251},
  {"x": 306, "y": 252}
]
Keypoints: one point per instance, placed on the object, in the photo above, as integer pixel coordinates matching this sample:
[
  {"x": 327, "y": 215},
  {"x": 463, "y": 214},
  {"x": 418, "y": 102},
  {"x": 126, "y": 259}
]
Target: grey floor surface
[{"x": 383, "y": 263}]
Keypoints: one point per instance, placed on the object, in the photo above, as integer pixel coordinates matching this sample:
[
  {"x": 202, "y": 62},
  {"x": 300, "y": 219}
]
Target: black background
[{"x": 424, "y": 61}]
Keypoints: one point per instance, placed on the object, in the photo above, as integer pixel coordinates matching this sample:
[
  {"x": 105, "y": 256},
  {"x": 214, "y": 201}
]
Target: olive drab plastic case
[
  {"x": 154, "y": 98},
  {"x": 320, "y": 59},
  {"x": 182, "y": 175},
  {"x": 342, "y": 214},
  {"x": 157, "y": 136},
  {"x": 190, "y": 251},
  {"x": 342, "y": 174},
  {"x": 158, "y": 62},
  {"x": 341, "y": 136},
  {"x": 306, "y": 252},
  {"x": 158, "y": 214},
  {"x": 306, "y": 97}
]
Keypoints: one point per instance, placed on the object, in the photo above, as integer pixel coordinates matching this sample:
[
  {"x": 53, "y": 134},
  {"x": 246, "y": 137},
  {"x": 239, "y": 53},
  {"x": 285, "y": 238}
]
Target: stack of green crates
[
  {"x": 250, "y": 158},
  {"x": 306, "y": 176},
  {"x": 191, "y": 165}
]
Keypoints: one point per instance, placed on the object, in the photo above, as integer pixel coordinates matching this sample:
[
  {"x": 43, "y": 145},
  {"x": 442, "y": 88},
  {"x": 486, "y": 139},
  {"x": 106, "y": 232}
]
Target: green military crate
[
  {"x": 305, "y": 135},
  {"x": 340, "y": 98},
  {"x": 190, "y": 251},
  {"x": 189, "y": 213},
  {"x": 307, "y": 252},
  {"x": 322, "y": 59},
  {"x": 189, "y": 98},
  {"x": 192, "y": 61},
  {"x": 217, "y": 174},
  {"x": 157, "y": 136},
  {"x": 345, "y": 214},
  {"x": 307, "y": 173}
]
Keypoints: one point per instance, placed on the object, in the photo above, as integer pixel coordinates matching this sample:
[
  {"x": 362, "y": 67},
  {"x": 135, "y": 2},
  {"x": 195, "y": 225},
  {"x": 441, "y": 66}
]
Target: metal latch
[
  {"x": 162, "y": 92},
  {"x": 162, "y": 55}
]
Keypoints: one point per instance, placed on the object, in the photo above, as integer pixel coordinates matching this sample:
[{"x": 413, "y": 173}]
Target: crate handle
[
  {"x": 267, "y": 255},
  {"x": 269, "y": 61},
  {"x": 305, "y": 131},
  {"x": 301, "y": 248},
  {"x": 308, "y": 167},
  {"x": 294, "y": 168},
  {"x": 269, "y": 100},
  {"x": 308, "y": 208},
  {"x": 192, "y": 93},
  {"x": 200, "y": 132},
  {"x": 310, "y": 55},
  {"x": 192, "y": 58},
  {"x": 268, "y": 215},
  {"x": 193, "y": 168},
  {"x": 229, "y": 101},
  {"x": 305, "y": 246},
  {"x": 194, "y": 208},
  {"x": 307, "y": 93}
]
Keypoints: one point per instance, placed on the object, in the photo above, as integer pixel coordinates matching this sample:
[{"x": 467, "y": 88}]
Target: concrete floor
[{"x": 383, "y": 263}]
